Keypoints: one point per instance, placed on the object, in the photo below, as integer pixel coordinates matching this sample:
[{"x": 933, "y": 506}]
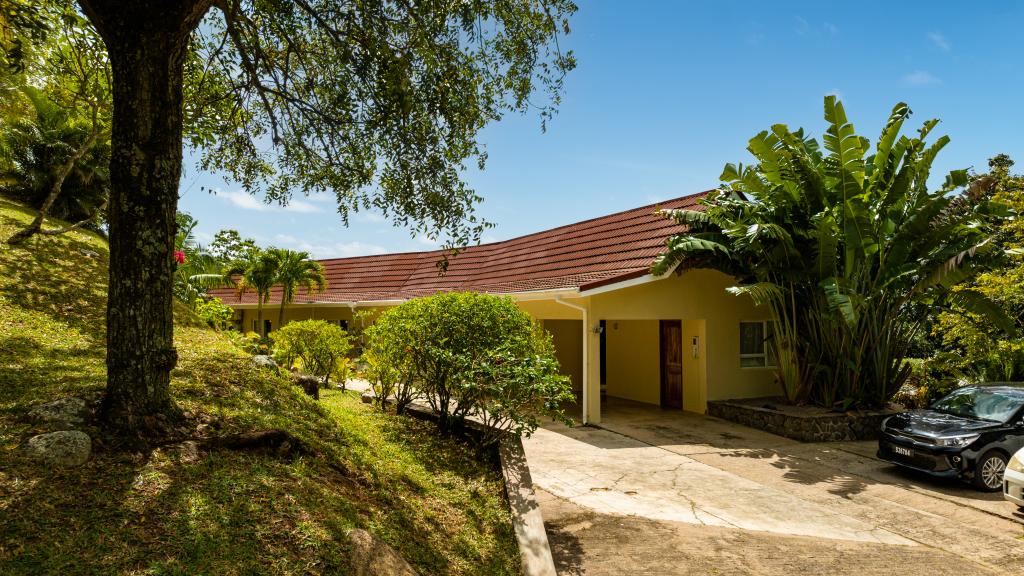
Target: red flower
[{"x": 179, "y": 256}]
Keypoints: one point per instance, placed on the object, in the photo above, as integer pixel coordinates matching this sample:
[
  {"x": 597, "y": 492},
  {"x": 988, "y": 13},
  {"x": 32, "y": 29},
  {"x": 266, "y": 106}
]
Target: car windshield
[{"x": 980, "y": 403}]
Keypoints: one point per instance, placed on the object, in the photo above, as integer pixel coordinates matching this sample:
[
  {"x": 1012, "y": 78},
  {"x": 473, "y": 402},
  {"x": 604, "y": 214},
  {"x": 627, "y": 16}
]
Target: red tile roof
[{"x": 584, "y": 255}]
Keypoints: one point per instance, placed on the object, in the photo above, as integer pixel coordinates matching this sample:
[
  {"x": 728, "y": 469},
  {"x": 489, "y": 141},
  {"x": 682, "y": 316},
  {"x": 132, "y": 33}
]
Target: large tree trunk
[{"x": 147, "y": 42}]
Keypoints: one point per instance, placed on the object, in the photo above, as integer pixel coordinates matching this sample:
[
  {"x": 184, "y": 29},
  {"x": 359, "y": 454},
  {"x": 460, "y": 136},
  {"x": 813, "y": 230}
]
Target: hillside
[{"x": 221, "y": 511}]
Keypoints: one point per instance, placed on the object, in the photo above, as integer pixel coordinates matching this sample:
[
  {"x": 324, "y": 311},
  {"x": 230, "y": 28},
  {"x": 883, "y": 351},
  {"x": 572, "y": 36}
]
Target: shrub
[
  {"x": 388, "y": 366},
  {"x": 215, "y": 313},
  {"x": 318, "y": 347},
  {"x": 512, "y": 389},
  {"x": 470, "y": 354},
  {"x": 928, "y": 380},
  {"x": 251, "y": 342}
]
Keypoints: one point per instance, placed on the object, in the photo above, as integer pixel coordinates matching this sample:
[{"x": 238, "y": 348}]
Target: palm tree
[
  {"x": 296, "y": 270},
  {"x": 851, "y": 254},
  {"x": 197, "y": 269},
  {"x": 256, "y": 272},
  {"x": 57, "y": 161}
]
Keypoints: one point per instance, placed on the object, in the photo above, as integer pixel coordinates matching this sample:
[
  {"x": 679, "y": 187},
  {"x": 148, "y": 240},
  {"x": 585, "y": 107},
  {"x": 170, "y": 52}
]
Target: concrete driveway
[{"x": 657, "y": 492}]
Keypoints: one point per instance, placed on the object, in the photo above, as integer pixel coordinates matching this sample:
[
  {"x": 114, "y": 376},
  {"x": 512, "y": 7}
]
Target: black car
[{"x": 969, "y": 434}]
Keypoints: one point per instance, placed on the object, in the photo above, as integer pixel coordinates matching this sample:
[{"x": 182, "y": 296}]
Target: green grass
[{"x": 228, "y": 512}]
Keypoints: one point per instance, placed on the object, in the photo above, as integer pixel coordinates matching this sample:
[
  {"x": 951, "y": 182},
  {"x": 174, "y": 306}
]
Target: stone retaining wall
[{"x": 804, "y": 424}]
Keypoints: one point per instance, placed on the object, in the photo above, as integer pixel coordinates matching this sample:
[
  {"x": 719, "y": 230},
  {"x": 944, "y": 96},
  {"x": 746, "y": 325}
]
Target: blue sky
[{"x": 666, "y": 93}]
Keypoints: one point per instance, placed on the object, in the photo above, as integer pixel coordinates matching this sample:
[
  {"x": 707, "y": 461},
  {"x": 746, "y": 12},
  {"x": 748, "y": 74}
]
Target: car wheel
[{"x": 988, "y": 472}]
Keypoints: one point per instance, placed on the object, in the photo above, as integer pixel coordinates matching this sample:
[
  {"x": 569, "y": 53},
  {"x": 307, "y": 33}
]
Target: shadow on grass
[
  {"x": 77, "y": 299},
  {"x": 244, "y": 512},
  {"x": 31, "y": 372}
]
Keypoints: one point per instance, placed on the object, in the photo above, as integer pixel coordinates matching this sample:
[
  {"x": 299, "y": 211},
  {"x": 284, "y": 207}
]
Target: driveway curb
[{"x": 526, "y": 516}]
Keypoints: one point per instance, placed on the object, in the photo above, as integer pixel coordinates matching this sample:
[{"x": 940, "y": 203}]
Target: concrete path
[{"x": 685, "y": 476}]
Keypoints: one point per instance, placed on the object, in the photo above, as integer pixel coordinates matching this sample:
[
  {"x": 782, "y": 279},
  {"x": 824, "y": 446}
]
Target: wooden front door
[{"x": 672, "y": 364}]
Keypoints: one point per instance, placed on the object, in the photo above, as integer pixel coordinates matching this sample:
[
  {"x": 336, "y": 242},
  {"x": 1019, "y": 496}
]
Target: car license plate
[{"x": 902, "y": 451}]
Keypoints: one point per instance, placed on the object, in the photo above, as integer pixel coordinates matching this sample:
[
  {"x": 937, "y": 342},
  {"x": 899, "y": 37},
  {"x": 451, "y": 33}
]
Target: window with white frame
[{"x": 755, "y": 349}]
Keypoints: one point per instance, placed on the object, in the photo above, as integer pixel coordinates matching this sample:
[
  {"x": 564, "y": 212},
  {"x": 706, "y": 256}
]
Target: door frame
[{"x": 663, "y": 389}]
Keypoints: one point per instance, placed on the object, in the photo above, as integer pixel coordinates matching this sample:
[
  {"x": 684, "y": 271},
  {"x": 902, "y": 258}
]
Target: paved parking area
[{"x": 654, "y": 492}]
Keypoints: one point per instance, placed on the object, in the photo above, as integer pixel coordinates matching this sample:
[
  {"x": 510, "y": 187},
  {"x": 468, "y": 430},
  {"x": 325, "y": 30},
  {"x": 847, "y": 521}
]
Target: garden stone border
[
  {"x": 527, "y": 521},
  {"x": 806, "y": 424}
]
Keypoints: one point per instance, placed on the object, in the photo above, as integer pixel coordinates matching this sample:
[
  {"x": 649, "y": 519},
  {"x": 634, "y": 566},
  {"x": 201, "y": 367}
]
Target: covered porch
[{"x": 656, "y": 362}]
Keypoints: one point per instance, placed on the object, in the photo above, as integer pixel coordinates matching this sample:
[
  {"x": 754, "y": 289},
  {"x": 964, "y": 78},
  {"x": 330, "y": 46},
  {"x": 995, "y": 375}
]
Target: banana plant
[{"x": 847, "y": 247}]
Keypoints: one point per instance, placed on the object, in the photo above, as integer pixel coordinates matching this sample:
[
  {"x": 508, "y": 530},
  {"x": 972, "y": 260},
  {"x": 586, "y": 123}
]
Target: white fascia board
[
  {"x": 543, "y": 294},
  {"x": 648, "y": 278},
  {"x": 358, "y": 304}
]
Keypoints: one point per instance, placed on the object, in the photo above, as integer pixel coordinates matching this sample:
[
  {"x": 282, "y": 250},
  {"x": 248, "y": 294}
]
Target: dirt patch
[{"x": 584, "y": 542}]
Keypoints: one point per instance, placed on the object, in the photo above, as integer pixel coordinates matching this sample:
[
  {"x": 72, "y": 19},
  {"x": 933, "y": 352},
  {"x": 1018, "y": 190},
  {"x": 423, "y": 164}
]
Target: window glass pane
[
  {"x": 752, "y": 362},
  {"x": 770, "y": 344},
  {"x": 752, "y": 338}
]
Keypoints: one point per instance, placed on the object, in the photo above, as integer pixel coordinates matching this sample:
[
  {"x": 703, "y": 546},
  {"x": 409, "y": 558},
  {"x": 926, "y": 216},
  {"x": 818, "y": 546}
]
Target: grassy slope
[{"x": 228, "y": 512}]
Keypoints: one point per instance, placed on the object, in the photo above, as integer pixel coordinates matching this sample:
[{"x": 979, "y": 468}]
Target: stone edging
[
  {"x": 526, "y": 517},
  {"x": 825, "y": 427},
  {"x": 531, "y": 536}
]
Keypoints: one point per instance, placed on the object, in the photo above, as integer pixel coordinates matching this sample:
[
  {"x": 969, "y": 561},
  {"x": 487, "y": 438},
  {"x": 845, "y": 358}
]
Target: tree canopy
[
  {"x": 979, "y": 349},
  {"x": 378, "y": 102}
]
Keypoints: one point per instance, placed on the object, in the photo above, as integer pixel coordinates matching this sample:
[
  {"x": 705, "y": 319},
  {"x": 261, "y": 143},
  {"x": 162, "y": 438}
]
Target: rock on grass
[
  {"x": 373, "y": 557},
  {"x": 65, "y": 448}
]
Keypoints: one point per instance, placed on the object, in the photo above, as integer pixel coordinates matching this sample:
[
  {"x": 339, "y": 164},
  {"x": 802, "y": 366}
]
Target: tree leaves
[{"x": 848, "y": 253}]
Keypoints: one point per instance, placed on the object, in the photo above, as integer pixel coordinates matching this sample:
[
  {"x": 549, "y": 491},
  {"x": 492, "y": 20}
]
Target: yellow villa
[{"x": 677, "y": 340}]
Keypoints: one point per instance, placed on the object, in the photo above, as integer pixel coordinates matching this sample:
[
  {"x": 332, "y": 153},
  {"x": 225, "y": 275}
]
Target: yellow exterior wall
[
  {"x": 568, "y": 339},
  {"x": 550, "y": 310},
  {"x": 299, "y": 312},
  {"x": 695, "y": 368},
  {"x": 696, "y": 295},
  {"x": 633, "y": 360}
]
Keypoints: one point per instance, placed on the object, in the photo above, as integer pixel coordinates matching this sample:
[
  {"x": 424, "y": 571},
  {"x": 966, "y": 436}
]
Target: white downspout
[{"x": 586, "y": 346}]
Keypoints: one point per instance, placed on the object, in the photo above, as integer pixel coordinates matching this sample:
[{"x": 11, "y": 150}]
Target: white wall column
[{"x": 591, "y": 382}]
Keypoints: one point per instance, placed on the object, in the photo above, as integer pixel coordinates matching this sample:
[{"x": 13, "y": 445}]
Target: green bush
[
  {"x": 215, "y": 313},
  {"x": 388, "y": 365},
  {"x": 251, "y": 342},
  {"x": 316, "y": 346},
  {"x": 929, "y": 379},
  {"x": 469, "y": 354}
]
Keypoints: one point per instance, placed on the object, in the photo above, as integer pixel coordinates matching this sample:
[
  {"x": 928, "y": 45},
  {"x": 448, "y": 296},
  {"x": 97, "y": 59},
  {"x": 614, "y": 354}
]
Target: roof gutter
[{"x": 586, "y": 347}]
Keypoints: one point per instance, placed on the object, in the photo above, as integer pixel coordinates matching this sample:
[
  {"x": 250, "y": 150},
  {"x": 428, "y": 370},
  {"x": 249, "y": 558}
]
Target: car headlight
[
  {"x": 1016, "y": 464},
  {"x": 957, "y": 441},
  {"x": 884, "y": 422}
]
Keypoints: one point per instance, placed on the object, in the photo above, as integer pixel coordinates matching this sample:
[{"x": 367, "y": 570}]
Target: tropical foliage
[
  {"x": 295, "y": 270},
  {"x": 57, "y": 144},
  {"x": 197, "y": 269},
  {"x": 316, "y": 346},
  {"x": 256, "y": 272},
  {"x": 976, "y": 349},
  {"x": 215, "y": 313},
  {"x": 469, "y": 354},
  {"x": 847, "y": 247}
]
